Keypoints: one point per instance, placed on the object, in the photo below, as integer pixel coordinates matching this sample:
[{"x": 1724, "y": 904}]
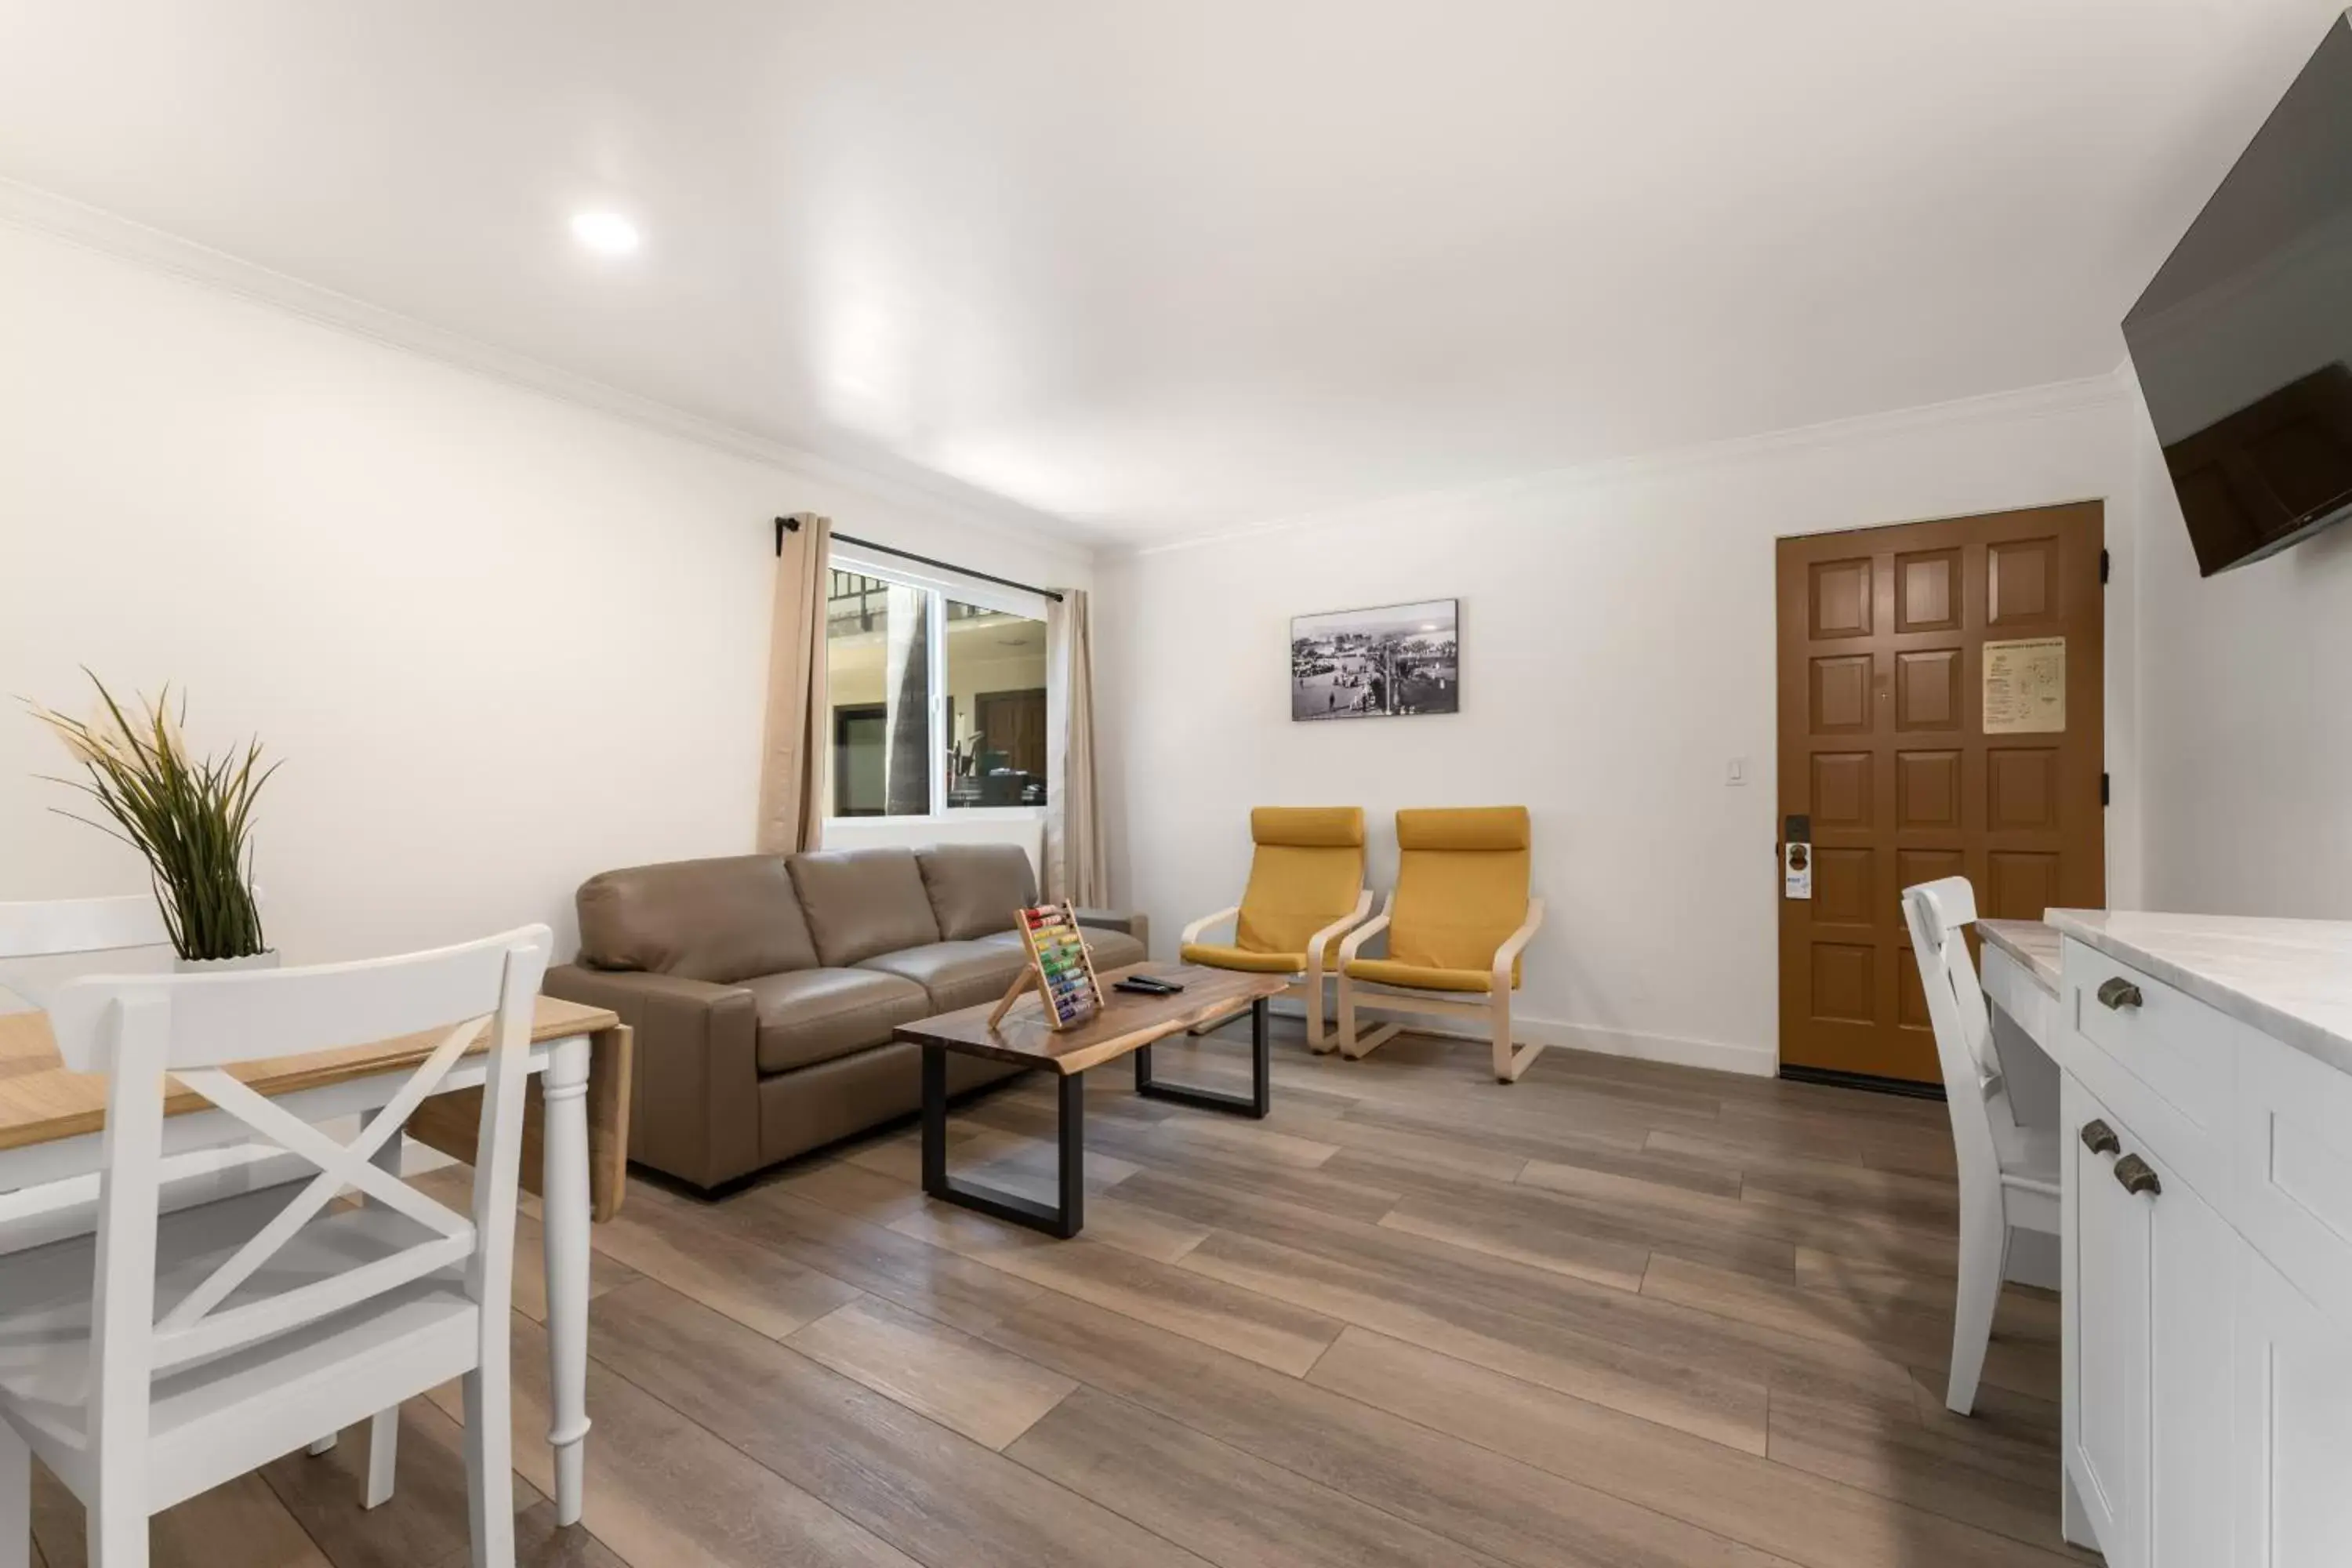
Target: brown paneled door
[{"x": 1940, "y": 715}]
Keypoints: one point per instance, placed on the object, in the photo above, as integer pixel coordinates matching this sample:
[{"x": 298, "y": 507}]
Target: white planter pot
[{"x": 264, "y": 960}]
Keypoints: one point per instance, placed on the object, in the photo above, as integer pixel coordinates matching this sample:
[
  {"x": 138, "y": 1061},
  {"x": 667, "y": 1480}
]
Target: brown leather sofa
[{"x": 763, "y": 989}]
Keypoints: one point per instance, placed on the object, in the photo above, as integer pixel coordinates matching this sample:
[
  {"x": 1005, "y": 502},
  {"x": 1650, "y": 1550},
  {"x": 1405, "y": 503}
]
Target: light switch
[{"x": 1736, "y": 771}]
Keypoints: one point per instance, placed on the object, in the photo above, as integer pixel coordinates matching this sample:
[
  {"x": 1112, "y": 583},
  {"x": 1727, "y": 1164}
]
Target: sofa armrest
[
  {"x": 1134, "y": 922},
  {"x": 696, "y": 1106}
]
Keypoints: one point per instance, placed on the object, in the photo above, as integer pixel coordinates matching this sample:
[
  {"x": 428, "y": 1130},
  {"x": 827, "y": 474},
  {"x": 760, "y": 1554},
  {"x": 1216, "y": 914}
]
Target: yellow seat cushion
[
  {"x": 1462, "y": 889},
  {"x": 1218, "y": 955},
  {"x": 1389, "y": 971}
]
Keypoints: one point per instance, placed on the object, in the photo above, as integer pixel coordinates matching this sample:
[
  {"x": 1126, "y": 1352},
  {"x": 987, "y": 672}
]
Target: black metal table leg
[
  {"x": 1256, "y": 1103},
  {"x": 1062, "y": 1220}
]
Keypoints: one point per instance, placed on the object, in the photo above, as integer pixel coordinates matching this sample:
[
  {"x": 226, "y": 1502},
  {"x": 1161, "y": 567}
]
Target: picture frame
[{"x": 1389, "y": 661}]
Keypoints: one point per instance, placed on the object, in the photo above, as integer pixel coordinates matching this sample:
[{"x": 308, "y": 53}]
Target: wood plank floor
[{"x": 1616, "y": 1314}]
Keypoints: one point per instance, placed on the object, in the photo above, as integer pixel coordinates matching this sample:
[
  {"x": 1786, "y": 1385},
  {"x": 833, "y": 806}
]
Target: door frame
[
  {"x": 1979, "y": 631},
  {"x": 844, "y": 716}
]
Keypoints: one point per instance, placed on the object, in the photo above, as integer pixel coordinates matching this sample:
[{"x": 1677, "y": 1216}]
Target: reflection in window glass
[
  {"x": 879, "y": 670},
  {"x": 995, "y": 670}
]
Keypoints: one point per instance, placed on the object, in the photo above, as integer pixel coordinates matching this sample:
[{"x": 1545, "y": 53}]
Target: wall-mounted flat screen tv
[{"x": 2243, "y": 343}]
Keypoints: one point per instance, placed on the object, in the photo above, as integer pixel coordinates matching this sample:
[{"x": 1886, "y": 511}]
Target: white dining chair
[
  {"x": 169, "y": 1352},
  {"x": 2007, "y": 1173},
  {"x": 38, "y": 939},
  {"x": 47, "y": 929}
]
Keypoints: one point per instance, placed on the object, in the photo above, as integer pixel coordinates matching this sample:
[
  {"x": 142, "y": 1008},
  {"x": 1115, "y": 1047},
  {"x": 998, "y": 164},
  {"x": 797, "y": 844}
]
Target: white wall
[
  {"x": 500, "y": 641},
  {"x": 1617, "y": 650},
  {"x": 2247, "y": 718}
]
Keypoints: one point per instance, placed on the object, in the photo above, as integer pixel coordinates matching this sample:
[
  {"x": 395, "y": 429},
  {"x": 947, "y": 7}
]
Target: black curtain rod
[{"x": 793, "y": 525}]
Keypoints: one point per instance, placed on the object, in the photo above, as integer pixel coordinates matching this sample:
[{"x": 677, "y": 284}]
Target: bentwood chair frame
[
  {"x": 1427, "y": 835},
  {"x": 1296, "y": 829}
]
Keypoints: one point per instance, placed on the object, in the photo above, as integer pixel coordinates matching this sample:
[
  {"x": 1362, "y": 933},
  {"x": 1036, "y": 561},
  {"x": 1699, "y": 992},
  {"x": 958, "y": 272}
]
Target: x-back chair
[
  {"x": 1306, "y": 888},
  {"x": 1456, "y": 924},
  {"x": 2009, "y": 1173},
  {"x": 36, "y": 938},
  {"x": 173, "y": 1350}
]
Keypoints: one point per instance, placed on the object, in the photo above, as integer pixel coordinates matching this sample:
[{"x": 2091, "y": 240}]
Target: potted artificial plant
[{"x": 190, "y": 817}]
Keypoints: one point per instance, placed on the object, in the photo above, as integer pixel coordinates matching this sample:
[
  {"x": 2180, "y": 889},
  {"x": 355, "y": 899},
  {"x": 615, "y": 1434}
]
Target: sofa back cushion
[
  {"x": 860, "y": 902},
  {"x": 721, "y": 921},
  {"x": 975, "y": 888}
]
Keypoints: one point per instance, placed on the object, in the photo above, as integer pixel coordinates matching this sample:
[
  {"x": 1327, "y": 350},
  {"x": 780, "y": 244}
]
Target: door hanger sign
[{"x": 1797, "y": 859}]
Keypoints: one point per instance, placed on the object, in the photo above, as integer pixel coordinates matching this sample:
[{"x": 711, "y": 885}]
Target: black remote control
[{"x": 1150, "y": 984}]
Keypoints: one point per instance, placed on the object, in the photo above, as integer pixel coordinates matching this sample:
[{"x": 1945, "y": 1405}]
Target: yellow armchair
[
  {"x": 1456, "y": 922},
  {"x": 1305, "y": 889}
]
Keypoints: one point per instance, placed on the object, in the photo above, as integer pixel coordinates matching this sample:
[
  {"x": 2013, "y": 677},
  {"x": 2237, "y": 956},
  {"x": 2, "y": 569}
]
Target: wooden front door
[{"x": 1884, "y": 748}]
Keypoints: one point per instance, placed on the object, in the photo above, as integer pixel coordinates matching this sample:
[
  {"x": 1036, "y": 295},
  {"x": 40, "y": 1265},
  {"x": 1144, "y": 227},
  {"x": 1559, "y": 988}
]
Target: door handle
[
  {"x": 2118, "y": 992},
  {"x": 2137, "y": 1176},
  {"x": 2099, "y": 1138}
]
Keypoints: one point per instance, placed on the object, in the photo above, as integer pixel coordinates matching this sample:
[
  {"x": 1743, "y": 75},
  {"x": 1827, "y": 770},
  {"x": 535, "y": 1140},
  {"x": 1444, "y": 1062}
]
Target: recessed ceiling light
[{"x": 607, "y": 233}]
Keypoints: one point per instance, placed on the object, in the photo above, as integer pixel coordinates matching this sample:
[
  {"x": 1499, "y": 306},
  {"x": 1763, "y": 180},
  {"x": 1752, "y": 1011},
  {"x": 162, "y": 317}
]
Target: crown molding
[
  {"x": 125, "y": 240},
  {"x": 2049, "y": 400}
]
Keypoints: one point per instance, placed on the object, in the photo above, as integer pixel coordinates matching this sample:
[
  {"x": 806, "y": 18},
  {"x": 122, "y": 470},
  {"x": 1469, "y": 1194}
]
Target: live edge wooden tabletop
[
  {"x": 40, "y": 1101},
  {"x": 1127, "y": 1022}
]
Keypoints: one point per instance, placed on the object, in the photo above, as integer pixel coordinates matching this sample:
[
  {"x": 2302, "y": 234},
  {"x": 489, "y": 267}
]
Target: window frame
[{"x": 940, "y": 585}]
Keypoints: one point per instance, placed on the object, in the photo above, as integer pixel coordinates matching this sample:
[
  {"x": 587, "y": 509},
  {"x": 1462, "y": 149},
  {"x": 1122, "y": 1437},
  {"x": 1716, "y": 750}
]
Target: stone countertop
[
  {"x": 2033, "y": 944},
  {"x": 2289, "y": 979}
]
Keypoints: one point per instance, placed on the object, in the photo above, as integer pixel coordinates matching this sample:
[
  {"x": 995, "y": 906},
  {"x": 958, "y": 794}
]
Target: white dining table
[{"x": 52, "y": 1144}]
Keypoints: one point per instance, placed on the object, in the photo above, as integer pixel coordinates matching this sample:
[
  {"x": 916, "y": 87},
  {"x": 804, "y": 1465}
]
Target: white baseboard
[{"x": 1750, "y": 1061}]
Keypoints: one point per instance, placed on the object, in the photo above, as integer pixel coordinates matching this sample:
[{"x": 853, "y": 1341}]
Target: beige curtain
[
  {"x": 792, "y": 752},
  {"x": 1077, "y": 867}
]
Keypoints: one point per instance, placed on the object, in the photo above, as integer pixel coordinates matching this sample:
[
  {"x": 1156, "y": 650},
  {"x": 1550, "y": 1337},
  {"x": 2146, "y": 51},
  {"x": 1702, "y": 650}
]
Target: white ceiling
[{"x": 1170, "y": 267}]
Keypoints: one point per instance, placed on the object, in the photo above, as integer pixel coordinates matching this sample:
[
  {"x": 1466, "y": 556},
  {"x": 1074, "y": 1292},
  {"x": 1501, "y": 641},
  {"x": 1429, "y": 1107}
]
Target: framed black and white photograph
[{"x": 1395, "y": 660}]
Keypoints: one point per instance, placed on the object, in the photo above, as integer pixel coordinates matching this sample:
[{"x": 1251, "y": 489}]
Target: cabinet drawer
[
  {"x": 2165, "y": 1061},
  {"x": 2292, "y": 1193}
]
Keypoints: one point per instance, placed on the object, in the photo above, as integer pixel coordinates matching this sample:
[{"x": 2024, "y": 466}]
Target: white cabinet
[
  {"x": 2208, "y": 1416},
  {"x": 2148, "y": 1281},
  {"x": 2192, "y": 1259},
  {"x": 2294, "y": 1424},
  {"x": 2105, "y": 1284}
]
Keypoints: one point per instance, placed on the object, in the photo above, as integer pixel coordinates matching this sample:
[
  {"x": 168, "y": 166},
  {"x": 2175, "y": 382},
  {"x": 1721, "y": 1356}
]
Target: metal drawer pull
[
  {"x": 2137, "y": 1176},
  {"x": 2118, "y": 992},
  {"x": 2099, "y": 1138}
]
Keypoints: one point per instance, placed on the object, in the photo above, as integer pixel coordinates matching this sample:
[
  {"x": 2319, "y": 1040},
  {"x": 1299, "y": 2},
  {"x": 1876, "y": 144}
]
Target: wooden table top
[
  {"x": 2033, "y": 944},
  {"x": 40, "y": 1101},
  {"x": 1127, "y": 1022}
]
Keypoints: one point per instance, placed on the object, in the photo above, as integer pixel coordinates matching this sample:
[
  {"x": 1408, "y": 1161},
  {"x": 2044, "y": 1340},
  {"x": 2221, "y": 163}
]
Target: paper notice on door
[{"x": 2025, "y": 687}]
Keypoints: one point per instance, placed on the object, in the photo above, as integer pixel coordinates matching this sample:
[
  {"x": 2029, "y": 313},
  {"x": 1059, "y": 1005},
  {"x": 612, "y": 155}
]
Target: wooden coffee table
[{"x": 1127, "y": 1025}]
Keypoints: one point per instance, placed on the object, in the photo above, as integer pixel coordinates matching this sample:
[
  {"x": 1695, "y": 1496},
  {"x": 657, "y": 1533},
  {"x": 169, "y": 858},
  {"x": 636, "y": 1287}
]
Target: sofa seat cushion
[
  {"x": 1111, "y": 949},
  {"x": 812, "y": 1015},
  {"x": 954, "y": 973}
]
